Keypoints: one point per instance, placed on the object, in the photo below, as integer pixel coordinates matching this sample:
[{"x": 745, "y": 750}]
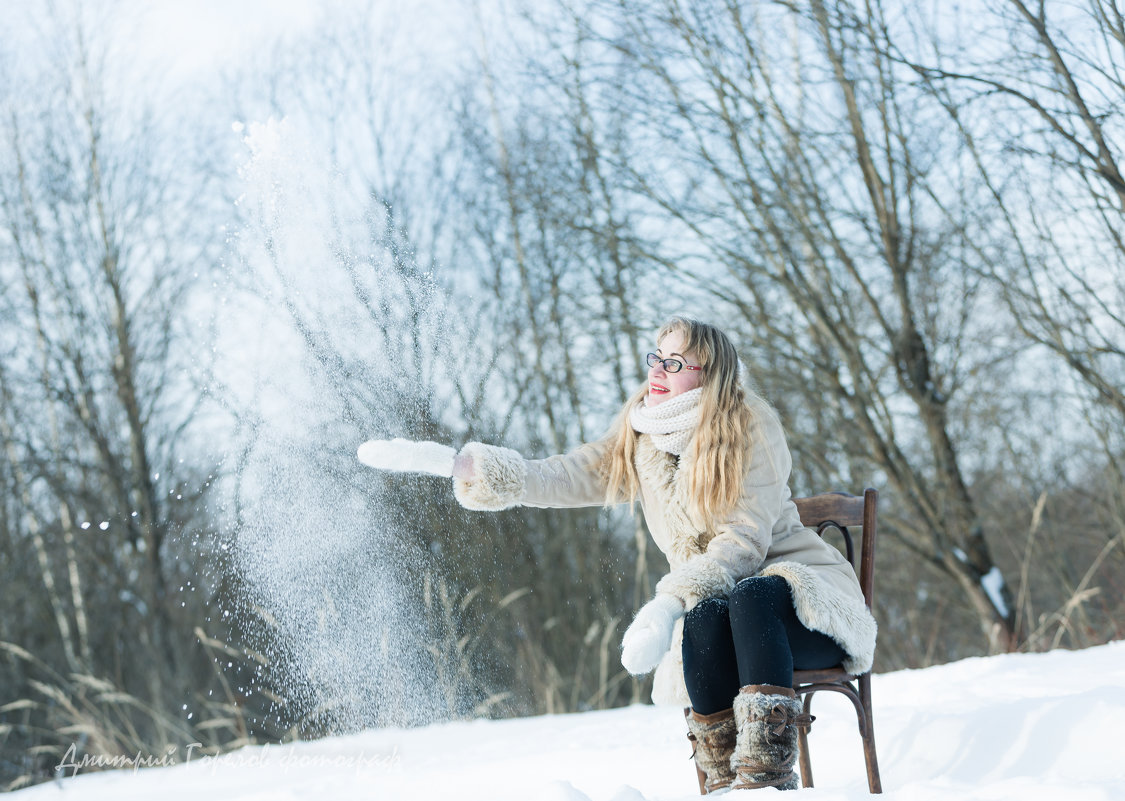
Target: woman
[{"x": 751, "y": 594}]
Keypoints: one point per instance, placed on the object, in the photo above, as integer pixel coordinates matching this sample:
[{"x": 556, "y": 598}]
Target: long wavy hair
[{"x": 720, "y": 449}]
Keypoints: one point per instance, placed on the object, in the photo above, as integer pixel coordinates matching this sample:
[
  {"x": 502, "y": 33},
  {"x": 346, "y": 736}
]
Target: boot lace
[{"x": 780, "y": 718}]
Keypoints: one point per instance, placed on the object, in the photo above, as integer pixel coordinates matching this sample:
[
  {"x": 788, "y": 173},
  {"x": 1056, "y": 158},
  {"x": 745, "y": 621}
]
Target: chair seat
[{"x": 822, "y": 674}]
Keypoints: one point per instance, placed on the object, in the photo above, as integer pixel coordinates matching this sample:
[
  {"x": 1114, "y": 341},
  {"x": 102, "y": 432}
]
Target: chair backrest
[{"x": 838, "y": 510}]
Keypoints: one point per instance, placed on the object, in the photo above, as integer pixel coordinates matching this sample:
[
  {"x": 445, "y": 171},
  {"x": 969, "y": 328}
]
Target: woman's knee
[
  {"x": 706, "y": 617},
  {"x": 758, "y": 594}
]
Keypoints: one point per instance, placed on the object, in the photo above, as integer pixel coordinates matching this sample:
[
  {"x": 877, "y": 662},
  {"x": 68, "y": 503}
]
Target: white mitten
[
  {"x": 649, "y": 636},
  {"x": 406, "y": 456}
]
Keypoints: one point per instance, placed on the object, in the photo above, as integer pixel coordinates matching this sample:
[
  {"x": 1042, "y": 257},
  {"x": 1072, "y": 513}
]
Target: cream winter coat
[{"x": 762, "y": 536}]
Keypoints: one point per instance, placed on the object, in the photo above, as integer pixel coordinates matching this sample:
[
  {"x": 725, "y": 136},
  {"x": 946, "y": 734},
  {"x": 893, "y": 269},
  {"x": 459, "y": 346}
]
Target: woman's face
[{"x": 663, "y": 385}]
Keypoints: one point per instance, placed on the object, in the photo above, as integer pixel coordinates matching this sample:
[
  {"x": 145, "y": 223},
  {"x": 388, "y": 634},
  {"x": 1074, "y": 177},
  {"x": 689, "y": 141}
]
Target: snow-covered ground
[{"x": 1027, "y": 727}]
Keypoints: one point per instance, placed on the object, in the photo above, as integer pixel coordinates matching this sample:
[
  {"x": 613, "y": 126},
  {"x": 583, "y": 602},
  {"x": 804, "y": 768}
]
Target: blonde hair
[{"x": 720, "y": 449}]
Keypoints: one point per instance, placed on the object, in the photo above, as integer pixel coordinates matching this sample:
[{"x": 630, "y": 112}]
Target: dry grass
[{"x": 65, "y": 716}]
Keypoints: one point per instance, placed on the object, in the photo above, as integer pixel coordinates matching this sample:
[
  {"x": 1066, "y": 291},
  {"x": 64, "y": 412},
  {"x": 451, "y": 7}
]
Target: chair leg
[
  {"x": 874, "y": 783},
  {"x": 803, "y": 758}
]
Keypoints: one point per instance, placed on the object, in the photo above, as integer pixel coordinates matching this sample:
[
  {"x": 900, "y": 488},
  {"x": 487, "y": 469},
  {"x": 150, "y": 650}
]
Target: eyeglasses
[{"x": 670, "y": 365}]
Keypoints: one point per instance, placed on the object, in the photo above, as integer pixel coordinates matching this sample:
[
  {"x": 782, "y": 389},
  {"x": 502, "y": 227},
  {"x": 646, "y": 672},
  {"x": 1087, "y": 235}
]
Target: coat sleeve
[
  {"x": 505, "y": 479},
  {"x": 742, "y": 540}
]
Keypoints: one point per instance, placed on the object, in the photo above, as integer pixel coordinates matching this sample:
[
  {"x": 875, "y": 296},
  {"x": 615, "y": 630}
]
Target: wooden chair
[{"x": 838, "y": 510}]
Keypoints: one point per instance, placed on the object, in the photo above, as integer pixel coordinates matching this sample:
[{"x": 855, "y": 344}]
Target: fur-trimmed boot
[
  {"x": 712, "y": 740},
  {"x": 768, "y": 718}
]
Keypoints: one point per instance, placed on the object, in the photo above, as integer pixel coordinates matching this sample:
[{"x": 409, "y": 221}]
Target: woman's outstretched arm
[{"x": 490, "y": 478}]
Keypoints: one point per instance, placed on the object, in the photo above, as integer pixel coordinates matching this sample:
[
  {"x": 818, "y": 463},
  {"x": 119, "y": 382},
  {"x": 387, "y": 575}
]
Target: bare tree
[
  {"x": 102, "y": 239},
  {"x": 1041, "y": 121},
  {"x": 553, "y": 225},
  {"x": 1057, "y": 89}
]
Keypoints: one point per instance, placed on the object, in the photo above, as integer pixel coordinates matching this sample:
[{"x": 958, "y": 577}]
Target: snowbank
[{"x": 1032, "y": 727}]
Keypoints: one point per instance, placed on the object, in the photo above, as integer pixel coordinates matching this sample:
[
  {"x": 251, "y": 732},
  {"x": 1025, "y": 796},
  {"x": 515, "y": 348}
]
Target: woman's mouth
[{"x": 656, "y": 389}]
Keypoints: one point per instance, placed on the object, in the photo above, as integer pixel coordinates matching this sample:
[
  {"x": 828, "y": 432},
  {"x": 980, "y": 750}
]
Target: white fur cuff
[
  {"x": 501, "y": 475},
  {"x": 697, "y": 579}
]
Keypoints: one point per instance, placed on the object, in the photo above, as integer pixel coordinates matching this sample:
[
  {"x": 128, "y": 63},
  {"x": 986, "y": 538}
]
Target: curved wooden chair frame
[{"x": 838, "y": 511}]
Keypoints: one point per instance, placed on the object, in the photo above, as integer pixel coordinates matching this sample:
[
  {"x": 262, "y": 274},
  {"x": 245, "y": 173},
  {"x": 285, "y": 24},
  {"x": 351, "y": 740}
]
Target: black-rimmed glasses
[{"x": 670, "y": 365}]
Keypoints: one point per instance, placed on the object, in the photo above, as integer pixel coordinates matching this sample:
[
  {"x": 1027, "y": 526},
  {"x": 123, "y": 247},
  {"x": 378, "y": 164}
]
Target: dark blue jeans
[{"x": 754, "y": 638}]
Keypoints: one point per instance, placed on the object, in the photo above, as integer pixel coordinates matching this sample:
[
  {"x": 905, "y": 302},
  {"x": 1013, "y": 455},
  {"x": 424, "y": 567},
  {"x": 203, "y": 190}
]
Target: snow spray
[{"x": 332, "y": 329}]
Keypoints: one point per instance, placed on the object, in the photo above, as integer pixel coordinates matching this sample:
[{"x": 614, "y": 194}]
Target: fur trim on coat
[
  {"x": 501, "y": 474},
  {"x": 697, "y": 579},
  {"x": 838, "y": 616}
]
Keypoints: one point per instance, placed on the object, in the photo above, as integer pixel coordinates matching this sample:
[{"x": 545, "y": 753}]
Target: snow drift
[{"x": 1032, "y": 727}]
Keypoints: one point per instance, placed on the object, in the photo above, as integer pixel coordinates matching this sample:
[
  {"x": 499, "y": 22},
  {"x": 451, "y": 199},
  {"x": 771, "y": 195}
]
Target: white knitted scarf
[{"x": 671, "y": 423}]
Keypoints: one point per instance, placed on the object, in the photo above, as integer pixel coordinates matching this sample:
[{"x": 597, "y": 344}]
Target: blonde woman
[{"x": 750, "y": 595}]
